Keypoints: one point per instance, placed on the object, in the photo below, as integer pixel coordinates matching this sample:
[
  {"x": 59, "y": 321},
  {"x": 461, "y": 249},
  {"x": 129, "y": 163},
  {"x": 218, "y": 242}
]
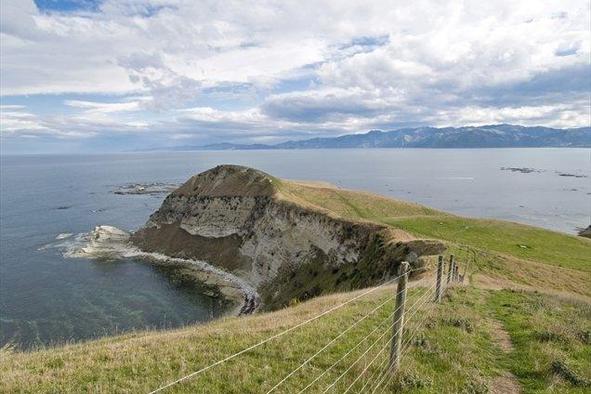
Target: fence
[{"x": 397, "y": 335}]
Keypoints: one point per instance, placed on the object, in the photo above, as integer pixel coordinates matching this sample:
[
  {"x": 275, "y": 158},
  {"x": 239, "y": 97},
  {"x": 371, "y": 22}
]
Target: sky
[{"x": 89, "y": 75}]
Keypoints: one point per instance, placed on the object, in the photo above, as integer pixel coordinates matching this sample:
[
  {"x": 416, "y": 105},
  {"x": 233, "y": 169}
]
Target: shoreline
[{"x": 110, "y": 243}]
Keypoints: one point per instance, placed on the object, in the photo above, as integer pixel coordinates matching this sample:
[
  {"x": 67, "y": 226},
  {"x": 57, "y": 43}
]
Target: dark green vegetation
[{"x": 318, "y": 278}]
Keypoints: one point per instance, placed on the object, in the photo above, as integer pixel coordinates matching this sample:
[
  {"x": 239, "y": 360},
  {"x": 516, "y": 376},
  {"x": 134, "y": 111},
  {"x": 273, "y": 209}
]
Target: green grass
[
  {"x": 462, "y": 339},
  {"x": 546, "y": 332},
  {"x": 521, "y": 241},
  {"x": 144, "y": 361}
]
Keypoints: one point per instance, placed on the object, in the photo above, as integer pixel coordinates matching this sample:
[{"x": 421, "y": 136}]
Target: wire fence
[{"x": 369, "y": 364}]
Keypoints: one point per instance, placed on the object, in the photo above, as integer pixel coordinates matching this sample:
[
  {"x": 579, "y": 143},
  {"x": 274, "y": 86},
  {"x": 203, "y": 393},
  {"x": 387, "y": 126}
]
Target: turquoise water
[{"x": 46, "y": 298}]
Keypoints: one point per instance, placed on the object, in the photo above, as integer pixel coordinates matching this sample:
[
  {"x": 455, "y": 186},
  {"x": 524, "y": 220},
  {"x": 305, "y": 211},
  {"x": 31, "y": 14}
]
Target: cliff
[{"x": 259, "y": 228}]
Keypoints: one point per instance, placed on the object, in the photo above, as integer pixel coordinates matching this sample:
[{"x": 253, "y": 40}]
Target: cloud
[
  {"x": 283, "y": 69},
  {"x": 105, "y": 108},
  {"x": 14, "y": 118},
  {"x": 324, "y": 105},
  {"x": 92, "y": 119},
  {"x": 17, "y": 120}
]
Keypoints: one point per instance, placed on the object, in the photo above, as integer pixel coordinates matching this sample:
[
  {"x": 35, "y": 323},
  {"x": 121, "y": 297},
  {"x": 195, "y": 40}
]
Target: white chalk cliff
[{"x": 235, "y": 218}]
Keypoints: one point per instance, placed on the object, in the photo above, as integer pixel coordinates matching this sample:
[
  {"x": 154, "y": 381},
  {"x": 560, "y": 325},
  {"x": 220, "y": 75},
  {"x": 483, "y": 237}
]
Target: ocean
[{"x": 46, "y": 298}]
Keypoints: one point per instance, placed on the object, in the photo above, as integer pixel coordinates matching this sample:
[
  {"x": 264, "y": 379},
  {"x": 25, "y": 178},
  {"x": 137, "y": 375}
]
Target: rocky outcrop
[
  {"x": 108, "y": 243},
  {"x": 232, "y": 217},
  {"x": 586, "y": 232}
]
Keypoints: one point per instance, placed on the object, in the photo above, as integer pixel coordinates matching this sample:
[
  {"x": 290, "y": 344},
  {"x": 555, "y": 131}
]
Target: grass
[
  {"x": 353, "y": 205},
  {"x": 510, "y": 252},
  {"x": 143, "y": 361},
  {"x": 452, "y": 347},
  {"x": 517, "y": 240},
  {"x": 455, "y": 346},
  {"x": 463, "y": 339},
  {"x": 546, "y": 332}
]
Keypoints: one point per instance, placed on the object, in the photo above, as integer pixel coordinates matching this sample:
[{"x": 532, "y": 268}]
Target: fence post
[
  {"x": 456, "y": 269},
  {"x": 439, "y": 289},
  {"x": 398, "y": 326},
  {"x": 450, "y": 268},
  {"x": 462, "y": 277}
]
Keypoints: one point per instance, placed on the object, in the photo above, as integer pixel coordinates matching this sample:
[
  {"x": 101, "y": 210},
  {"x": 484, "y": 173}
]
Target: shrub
[
  {"x": 461, "y": 323},
  {"x": 406, "y": 380},
  {"x": 560, "y": 368}
]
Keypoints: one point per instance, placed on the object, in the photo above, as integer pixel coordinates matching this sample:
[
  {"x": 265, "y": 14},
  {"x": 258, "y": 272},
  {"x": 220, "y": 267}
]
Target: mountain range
[{"x": 491, "y": 136}]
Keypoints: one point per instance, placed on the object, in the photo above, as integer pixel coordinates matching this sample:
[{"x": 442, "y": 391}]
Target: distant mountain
[{"x": 492, "y": 136}]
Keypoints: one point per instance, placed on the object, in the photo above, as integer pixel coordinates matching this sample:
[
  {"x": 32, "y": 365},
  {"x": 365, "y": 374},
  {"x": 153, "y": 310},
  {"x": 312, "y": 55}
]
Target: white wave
[{"x": 64, "y": 235}]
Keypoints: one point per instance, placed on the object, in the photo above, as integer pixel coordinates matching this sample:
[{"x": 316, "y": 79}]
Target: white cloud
[
  {"x": 98, "y": 107},
  {"x": 17, "y": 120},
  {"x": 549, "y": 115},
  {"x": 248, "y": 68}
]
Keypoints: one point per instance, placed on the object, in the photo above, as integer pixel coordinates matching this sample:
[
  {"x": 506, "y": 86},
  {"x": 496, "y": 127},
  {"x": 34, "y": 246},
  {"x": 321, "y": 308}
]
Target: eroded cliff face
[{"x": 233, "y": 218}]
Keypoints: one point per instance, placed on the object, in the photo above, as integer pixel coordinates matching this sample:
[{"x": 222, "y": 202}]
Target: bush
[
  {"x": 585, "y": 337},
  {"x": 560, "y": 368},
  {"x": 476, "y": 387},
  {"x": 406, "y": 380},
  {"x": 548, "y": 336},
  {"x": 461, "y": 323}
]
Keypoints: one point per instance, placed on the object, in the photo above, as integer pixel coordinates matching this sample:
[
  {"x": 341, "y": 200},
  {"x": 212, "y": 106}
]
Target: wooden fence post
[
  {"x": 398, "y": 326},
  {"x": 450, "y": 268},
  {"x": 439, "y": 288}
]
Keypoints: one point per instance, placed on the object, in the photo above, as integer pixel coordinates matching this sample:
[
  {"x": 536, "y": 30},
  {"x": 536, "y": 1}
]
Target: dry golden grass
[
  {"x": 349, "y": 204},
  {"x": 142, "y": 361}
]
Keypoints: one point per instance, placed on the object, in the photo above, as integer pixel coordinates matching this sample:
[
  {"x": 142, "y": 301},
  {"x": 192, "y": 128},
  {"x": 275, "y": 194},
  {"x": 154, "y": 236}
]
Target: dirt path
[
  {"x": 506, "y": 383},
  {"x": 501, "y": 336}
]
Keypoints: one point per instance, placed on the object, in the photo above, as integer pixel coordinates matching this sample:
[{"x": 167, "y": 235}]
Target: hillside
[
  {"x": 490, "y": 136},
  {"x": 521, "y": 321},
  {"x": 261, "y": 230}
]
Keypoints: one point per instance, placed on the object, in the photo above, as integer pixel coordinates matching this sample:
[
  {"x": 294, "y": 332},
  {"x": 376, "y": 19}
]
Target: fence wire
[{"x": 383, "y": 371}]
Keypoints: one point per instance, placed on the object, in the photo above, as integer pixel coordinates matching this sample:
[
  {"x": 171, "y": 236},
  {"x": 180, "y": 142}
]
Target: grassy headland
[{"x": 522, "y": 322}]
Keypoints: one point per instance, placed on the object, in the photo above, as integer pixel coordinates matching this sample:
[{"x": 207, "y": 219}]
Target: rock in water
[
  {"x": 154, "y": 188},
  {"x": 239, "y": 219},
  {"x": 104, "y": 242}
]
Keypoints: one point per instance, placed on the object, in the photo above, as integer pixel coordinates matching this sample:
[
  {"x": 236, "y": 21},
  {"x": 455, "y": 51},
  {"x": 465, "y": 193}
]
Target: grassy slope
[
  {"x": 457, "y": 350},
  {"x": 522, "y": 254},
  {"x": 518, "y": 240}
]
